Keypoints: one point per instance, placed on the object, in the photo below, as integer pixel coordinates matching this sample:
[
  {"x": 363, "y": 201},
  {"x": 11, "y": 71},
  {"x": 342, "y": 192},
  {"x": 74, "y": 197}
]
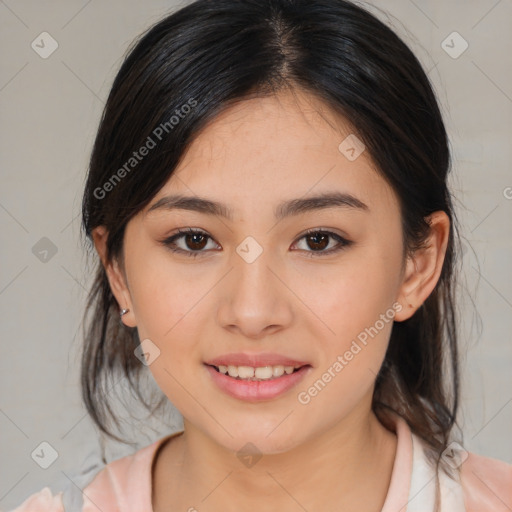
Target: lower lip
[{"x": 254, "y": 390}]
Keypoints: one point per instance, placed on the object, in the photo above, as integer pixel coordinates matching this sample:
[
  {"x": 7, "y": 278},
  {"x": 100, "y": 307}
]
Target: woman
[{"x": 268, "y": 198}]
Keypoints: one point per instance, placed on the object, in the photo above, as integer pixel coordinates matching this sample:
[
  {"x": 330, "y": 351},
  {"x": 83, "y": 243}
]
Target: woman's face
[{"x": 254, "y": 290}]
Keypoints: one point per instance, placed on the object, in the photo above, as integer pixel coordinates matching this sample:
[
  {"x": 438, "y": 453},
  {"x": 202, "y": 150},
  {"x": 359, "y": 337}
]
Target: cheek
[
  {"x": 358, "y": 308},
  {"x": 351, "y": 296},
  {"x": 164, "y": 297},
  {"x": 167, "y": 308}
]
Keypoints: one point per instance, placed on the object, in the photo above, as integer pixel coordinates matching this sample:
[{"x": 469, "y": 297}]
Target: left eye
[
  {"x": 319, "y": 240},
  {"x": 195, "y": 242}
]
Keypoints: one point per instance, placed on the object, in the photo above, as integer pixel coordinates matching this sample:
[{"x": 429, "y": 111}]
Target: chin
[{"x": 255, "y": 438}]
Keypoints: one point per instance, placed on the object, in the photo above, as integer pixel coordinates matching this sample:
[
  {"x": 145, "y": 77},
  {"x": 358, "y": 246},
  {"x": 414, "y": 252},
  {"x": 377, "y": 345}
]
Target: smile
[
  {"x": 256, "y": 384},
  {"x": 254, "y": 374}
]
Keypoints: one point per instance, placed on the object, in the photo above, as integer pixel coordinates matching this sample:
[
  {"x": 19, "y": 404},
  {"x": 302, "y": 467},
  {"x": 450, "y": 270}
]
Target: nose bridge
[
  {"x": 252, "y": 274},
  {"x": 255, "y": 298}
]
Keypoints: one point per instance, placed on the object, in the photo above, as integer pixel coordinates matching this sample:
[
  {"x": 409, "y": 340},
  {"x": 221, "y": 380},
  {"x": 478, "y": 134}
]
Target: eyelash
[{"x": 342, "y": 242}]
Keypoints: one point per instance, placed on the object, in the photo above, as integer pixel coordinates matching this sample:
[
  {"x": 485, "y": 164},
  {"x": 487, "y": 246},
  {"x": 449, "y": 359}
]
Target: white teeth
[
  {"x": 277, "y": 371},
  {"x": 263, "y": 373},
  {"x": 259, "y": 373},
  {"x": 245, "y": 372},
  {"x": 233, "y": 371}
]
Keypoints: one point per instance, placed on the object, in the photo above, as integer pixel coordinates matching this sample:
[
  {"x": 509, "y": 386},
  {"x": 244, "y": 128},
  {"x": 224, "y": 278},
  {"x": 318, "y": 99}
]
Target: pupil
[
  {"x": 194, "y": 236},
  {"x": 319, "y": 235}
]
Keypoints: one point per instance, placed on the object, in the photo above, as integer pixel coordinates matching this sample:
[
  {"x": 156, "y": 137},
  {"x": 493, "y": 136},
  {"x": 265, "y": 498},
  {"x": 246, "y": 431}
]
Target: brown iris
[
  {"x": 319, "y": 244},
  {"x": 197, "y": 243}
]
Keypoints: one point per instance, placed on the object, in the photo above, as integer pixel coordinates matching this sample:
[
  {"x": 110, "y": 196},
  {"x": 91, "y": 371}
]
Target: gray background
[{"x": 50, "y": 110}]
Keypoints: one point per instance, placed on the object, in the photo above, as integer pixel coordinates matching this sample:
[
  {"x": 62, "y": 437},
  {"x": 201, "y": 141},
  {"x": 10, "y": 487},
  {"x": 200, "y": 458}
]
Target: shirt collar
[{"x": 411, "y": 488}]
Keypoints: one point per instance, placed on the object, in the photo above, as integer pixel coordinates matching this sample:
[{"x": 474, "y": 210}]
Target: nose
[{"x": 255, "y": 300}]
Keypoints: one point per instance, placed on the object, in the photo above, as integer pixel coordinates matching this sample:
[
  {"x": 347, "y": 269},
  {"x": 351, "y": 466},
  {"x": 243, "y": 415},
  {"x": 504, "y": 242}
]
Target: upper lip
[{"x": 255, "y": 360}]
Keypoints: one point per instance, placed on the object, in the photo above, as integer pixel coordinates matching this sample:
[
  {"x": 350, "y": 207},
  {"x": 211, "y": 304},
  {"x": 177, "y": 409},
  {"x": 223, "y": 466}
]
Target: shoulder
[
  {"x": 470, "y": 483},
  {"x": 486, "y": 484},
  {"x": 42, "y": 501},
  {"x": 124, "y": 484}
]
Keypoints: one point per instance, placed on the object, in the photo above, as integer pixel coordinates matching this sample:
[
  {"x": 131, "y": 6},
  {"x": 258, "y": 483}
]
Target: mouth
[
  {"x": 257, "y": 383},
  {"x": 256, "y": 374}
]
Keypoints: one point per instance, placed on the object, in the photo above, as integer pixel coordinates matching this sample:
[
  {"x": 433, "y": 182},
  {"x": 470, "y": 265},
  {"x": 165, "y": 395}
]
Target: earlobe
[
  {"x": 424, "y": 267},
  {"x": 115, "y": 277}
]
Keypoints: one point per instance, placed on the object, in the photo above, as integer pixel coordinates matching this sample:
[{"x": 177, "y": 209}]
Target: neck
[{"x": 346, "y": 467}]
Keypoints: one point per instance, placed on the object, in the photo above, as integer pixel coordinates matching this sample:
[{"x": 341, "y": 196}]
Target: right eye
[{"x": 193, "y": 239}]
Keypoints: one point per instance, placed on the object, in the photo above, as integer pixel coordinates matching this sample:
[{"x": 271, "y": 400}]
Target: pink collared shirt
[{"x": 481, "y": 484}]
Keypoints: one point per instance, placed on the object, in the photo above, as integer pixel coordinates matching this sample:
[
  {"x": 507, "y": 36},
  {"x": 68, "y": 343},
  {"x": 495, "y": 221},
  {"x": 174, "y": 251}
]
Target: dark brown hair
[{"x": 213, "y": 53}]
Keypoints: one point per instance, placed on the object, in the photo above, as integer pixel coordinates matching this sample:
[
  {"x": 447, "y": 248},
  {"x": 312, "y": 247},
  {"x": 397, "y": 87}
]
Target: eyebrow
[{"x": 284, "y": 209}]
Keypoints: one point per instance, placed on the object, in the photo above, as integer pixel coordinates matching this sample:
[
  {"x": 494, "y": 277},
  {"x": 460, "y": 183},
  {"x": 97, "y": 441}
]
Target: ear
[
  {"x": 424, "y": 267},
  {"x": 115, "y": 275}
]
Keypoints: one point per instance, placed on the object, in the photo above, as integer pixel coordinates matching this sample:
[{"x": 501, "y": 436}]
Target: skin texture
[{"x": 328, "y": 454}]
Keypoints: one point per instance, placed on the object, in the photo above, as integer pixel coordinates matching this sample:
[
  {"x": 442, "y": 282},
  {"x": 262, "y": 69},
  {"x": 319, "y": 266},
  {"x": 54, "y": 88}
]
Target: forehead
[{"x": 263, "y": 150}]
